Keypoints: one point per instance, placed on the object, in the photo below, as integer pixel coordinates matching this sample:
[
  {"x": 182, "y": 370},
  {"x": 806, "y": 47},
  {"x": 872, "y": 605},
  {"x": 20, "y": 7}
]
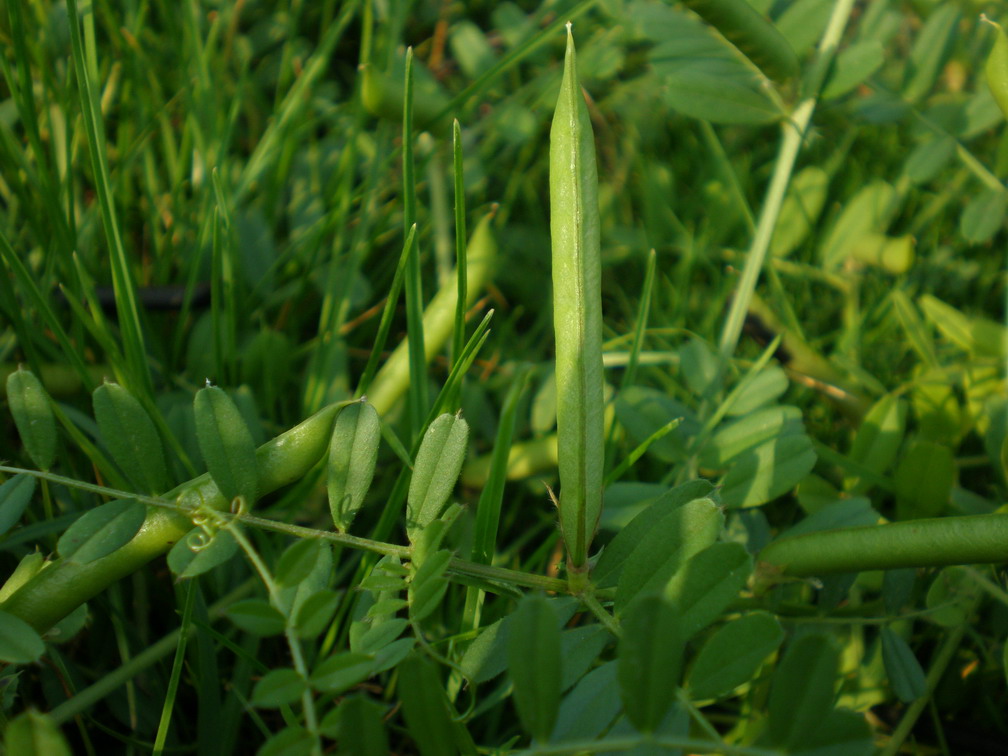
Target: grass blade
[
  {"x": 417, "y": 396},
  {"x": 122, "y": 277}
]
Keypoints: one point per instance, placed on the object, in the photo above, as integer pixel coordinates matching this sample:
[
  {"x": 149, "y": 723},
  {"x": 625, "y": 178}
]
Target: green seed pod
[
  {"x": 754, "y": 36},
  {"x": 226, "y": 444},
  {"x": 932, "y": 542},
  {"x": 997, "y": 68},
  {"x": 437, "y": 467},
  {"x": 56, "y": 591},
  {"x": 353, "y": 453},
  {"x": 577, "y": 315},
  {"x": 129, "y": 434},
  {"x": 29, "y": 404}
]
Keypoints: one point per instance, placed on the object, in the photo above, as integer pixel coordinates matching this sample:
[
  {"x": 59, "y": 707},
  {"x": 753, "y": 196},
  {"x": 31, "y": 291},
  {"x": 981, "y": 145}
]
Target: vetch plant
[{"x": 753, "y": 545}]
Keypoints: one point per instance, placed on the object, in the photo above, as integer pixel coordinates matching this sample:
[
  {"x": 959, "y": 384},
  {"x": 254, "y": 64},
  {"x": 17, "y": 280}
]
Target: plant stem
[
  {"x": 794, "y": 133},
  {"x": 297, "y": 656}
]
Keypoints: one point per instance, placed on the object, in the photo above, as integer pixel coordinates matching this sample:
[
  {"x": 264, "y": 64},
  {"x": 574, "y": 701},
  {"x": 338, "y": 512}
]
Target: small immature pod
[
  {"x": 353, "y": 453},
  {"x": 577, "y": 315},
  {"x": 29, "y": 404},
  {"x": 226, "y": 444},
  {"x": 437, "y": 467}
]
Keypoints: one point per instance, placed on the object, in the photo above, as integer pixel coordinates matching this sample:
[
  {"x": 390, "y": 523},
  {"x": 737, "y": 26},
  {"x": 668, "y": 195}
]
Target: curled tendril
[
  {"x": 198, "y": 540},
  {"x": 239, "y": 506}
]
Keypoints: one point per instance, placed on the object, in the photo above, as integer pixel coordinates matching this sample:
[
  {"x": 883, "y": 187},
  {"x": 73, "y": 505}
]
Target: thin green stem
[
  {"x": 297, "y": 655},
  {"x": 601, "y": 613},
  {"x": 176, "y": 672},
  {"x": 794, "y": 134}
]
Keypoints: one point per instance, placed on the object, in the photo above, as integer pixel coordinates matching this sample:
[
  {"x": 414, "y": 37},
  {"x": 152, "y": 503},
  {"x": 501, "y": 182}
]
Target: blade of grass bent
[
  {"x": 417, "y": 397},
  {"x": 460, "y": 242},
  {"x": 577, "y": 317},
  {"x": 385, "y": 324},
  {"x": 794, "y": 134}
]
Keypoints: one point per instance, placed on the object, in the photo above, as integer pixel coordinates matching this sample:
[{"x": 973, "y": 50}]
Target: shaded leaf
[
  {"x": 340, "y": 672},
  {"x": 534, "y": 664},
  {"x": 428, "y": 585},
  {"x": 671, "y": 541},
  {"x": 316, "y": 612},
  {"x": 33, "y": 416},
  {"x": 732, "y": 655},
  {"x": 257, "y": 617},
  {"x": 131, "y": 437},
  {"x": 590, "y": 707},
  {"x": 614, "y": 556},
  {"x": 924, "y": 479},
  {"x": 650, "y": 658},
  {"x": 905, "y": 674},
  {"x": 427, "y": 710},
  {"x": 278, "y": 687},
  {"x": 102, "y": 530},
  {"x": 707, "y": 584},
  {"x": 20, "y": 643},
  {"x": 878, "y": 439},
  {"x": 14, "y": 497},
  {"x": 801, "y": 692},
  {"x": 361, "y": 730},
  {"x": 767, "y": 471},
  {"x": 853, "y": 66}
]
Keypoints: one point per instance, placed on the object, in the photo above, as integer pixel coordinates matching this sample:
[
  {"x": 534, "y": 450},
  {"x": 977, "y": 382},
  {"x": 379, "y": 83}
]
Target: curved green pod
[
  {"x": 933, "y": 542},
  {"x": 63, "y": 585},
  {"x": 754, "y": 36},
  {"x": 391, "y": 381}
]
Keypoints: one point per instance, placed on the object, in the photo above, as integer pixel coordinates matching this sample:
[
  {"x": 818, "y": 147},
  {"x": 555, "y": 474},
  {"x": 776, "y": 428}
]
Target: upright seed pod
[
  {"x": 996, "y": 67},
  {"x": 577, "y": 318},
  {"x": 353, "y": 453},
  {"x": 435, "y": 471}
]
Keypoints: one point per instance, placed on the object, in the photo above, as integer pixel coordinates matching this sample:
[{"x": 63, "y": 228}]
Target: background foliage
[{"x": 249, "y": 156}]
